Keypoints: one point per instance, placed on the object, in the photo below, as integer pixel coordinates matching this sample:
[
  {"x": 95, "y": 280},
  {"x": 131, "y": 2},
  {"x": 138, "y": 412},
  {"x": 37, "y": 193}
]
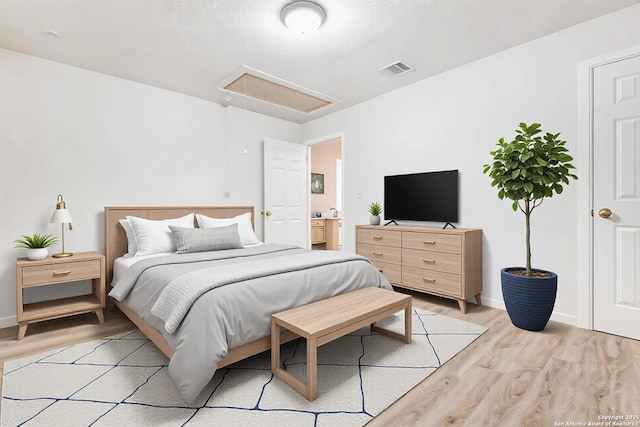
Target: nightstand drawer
[{"x": 64, "y": 272}]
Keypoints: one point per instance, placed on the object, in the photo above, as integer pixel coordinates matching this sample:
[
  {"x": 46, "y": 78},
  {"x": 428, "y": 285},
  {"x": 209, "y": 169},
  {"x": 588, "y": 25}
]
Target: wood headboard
[{"x": 115, "y": 239}]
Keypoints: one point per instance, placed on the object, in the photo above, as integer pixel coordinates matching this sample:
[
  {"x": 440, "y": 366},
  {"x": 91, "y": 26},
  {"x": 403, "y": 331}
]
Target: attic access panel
[{"x": 275, "y": 93}]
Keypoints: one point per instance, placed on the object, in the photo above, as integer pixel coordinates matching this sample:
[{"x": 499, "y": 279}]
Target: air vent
[{"x": 396, "y": 69}]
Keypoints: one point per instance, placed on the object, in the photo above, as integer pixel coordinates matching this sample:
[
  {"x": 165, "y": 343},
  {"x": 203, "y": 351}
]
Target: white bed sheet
[{"x": 123, "y": 263}]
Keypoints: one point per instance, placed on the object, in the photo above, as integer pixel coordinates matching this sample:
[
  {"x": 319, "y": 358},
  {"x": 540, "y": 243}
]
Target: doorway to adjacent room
[{"x": 326, "y": 205}]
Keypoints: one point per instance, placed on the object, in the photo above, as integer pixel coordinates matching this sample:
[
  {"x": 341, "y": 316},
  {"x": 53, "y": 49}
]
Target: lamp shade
[{"x": 61, "y": 216}]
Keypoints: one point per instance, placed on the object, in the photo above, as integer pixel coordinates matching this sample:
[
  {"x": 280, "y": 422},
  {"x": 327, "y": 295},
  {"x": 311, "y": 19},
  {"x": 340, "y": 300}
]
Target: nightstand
[{"x": 52, "y": 271}]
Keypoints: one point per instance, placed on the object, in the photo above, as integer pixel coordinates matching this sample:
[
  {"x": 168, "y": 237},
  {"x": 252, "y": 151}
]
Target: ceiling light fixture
[{"x": 303, "y": 17}]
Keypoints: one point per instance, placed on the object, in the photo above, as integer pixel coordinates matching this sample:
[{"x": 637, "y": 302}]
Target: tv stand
[
  {"x": 448, "y": 223},
  {"x": 393, "y": 221}
]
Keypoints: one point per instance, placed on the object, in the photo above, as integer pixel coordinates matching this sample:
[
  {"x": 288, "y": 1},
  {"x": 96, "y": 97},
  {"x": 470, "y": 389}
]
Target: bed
[{"x": 229, "y": 317}]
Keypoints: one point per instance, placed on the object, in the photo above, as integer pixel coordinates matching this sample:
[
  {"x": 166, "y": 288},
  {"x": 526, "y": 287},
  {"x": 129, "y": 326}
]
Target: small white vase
[
  {"x": 37, "y": 253},
  {"x": 374, "y": 219}
]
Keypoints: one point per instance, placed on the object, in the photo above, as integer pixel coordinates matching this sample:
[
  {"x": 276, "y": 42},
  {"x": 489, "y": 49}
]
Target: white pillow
[
  {"x": 132, "y": 247},
  {"x": 154, "y": 236},
  {"x": 245, "y": 230}
]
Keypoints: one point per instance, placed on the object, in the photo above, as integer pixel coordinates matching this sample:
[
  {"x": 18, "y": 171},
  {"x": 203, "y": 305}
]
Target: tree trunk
[{"x": 527, "y": 215}]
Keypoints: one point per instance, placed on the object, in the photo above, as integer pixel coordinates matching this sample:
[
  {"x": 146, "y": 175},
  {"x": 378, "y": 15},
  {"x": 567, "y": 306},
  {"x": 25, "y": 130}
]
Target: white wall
[
  {"x": 103, "y": 141},
  {"x": 453, "y": 120}
]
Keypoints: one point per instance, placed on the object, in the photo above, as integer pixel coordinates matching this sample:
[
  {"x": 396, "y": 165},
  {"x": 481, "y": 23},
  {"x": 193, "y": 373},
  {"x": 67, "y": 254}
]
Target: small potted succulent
[
  {"x": 36, "y": 245},
  {"x": 375, "y": 210}
]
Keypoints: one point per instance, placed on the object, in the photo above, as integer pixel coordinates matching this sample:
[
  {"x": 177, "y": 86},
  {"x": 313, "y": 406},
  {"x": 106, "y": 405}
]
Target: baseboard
[
  {"x": 556, "y": 316},
  {"x": 565, "y": 318},
  {"x": 7, "y": 322},
  {"x": 493, "y": 303}
]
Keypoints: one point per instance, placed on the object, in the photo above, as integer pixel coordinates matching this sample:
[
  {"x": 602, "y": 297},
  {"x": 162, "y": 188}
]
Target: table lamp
[{"x": 61, "y": 216}]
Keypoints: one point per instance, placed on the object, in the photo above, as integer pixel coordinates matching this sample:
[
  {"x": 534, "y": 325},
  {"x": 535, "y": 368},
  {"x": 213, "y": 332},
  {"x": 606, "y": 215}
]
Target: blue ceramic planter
[{"x": 529, "y": 300}]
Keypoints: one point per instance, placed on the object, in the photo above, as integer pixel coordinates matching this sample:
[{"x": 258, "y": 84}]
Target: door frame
[{"x": 584, "y": 214}]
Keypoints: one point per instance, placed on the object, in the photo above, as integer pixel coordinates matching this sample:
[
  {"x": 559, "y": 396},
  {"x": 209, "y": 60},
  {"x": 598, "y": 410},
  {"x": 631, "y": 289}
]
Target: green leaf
[
  {"x": 36, "y": 241},
  {"x": 375, "y": 208}
]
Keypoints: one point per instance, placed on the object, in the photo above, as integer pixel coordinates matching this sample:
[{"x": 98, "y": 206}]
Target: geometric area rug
[{"x": 123, "y": 381}]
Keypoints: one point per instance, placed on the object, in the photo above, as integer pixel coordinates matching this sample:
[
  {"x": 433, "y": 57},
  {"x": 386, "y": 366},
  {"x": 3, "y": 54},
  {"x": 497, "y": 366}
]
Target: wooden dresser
[{"x": 447, "y": 262}]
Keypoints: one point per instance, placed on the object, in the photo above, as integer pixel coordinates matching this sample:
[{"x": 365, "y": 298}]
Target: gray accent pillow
[{"x": 206, "y": 239}]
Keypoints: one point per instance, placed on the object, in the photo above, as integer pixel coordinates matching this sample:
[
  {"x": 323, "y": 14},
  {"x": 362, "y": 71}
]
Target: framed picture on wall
[{"x": 317, "y": 183}]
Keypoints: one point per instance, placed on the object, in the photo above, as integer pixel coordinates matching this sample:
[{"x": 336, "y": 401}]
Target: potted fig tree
[{"x": 532, "y": 167}]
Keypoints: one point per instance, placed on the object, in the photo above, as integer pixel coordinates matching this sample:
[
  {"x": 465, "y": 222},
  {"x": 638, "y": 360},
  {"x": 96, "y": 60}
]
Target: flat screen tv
[{"x": 428, "y": 196}]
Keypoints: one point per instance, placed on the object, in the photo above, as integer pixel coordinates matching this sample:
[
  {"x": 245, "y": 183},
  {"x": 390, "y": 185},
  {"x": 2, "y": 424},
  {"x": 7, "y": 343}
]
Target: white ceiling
[{"x": 190, "y": 46}]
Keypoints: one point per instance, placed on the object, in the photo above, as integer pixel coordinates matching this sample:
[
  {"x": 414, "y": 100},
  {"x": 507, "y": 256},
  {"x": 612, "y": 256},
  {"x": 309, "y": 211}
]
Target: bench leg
[
  {"x": 308, "y": 390},
  {"x": 275, "y": 346},
  {"x": 312, "y": 369},
  {"x": 407, "y": 324},
  {"x": 406, "y": 337}
]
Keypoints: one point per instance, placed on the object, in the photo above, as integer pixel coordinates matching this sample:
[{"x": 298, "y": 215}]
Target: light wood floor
[{"x": 507, "y": 377}]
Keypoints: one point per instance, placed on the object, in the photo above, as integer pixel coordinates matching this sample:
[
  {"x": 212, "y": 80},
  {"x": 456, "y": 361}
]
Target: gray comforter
[{"x": 237, "y": 310}]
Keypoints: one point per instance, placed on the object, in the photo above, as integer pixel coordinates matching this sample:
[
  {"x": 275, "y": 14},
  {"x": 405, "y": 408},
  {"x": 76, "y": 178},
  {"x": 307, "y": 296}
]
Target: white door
[
  {"x": 286, "y": 211},
  {"x": 616, "y": 187}
]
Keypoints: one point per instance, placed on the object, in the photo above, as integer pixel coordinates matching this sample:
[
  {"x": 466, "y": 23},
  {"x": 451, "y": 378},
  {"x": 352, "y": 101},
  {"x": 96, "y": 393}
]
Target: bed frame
[{"x": 116, "y": 245}]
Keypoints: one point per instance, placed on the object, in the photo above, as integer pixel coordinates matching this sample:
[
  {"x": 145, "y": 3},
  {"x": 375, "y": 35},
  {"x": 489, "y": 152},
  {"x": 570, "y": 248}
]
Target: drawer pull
[
  {"x": 424, "y": 279},
  {"x": 429, "y": 261},
  {"x": 61, "y": 273},
  {"x": 377, "y": 253},
  {"x": 429, "y": 242},
  {"x": 377, "y": 237},
  {"x": 380, "y": 270}
]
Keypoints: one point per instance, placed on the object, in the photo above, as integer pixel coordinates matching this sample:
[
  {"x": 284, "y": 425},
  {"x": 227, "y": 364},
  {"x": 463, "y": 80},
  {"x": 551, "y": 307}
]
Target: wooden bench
[{"x": 324, "y": 321}]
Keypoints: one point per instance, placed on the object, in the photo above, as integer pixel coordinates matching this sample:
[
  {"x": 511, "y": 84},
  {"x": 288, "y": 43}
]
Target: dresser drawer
[
  {"x": 379, "y": 237},
  {"x": 393, "y": 272},
  {"x": 317, "y": 223},
  {"x": 65, "y": 272},
  {"x": 435, "y": 282},
  {"x": 380, "y": 253},
  {"x": 450, "y": 243},
  {"x": 430, "y": 260}
]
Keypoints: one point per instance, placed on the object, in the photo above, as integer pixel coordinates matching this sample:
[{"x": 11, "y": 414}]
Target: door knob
[
  {"x": 268, "y": 213},
  {"x": 604, "y": 213}
]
